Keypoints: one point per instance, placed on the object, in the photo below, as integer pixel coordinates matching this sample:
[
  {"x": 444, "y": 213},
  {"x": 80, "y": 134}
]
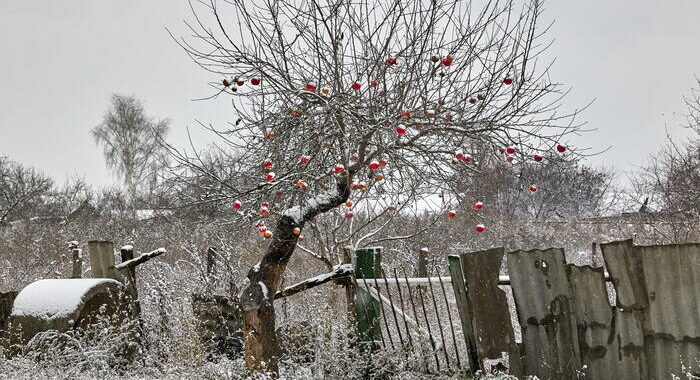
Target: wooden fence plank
[
  {"x": 465, "y": 316},
  {"x": 493, "y": 329}
]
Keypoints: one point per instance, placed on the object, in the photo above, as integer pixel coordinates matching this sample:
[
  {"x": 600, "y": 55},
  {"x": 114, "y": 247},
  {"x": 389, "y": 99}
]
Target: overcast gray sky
[{"x": 61, "y": 61}]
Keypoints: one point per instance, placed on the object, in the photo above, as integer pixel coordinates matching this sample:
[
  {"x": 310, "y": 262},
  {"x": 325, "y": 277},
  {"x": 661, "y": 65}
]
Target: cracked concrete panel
[
  {"x": 672, "y": 275},
  {"x": 545, "y": 305},
  {"x": 492, "y": 326},
  {"x": 672, "y": 317},
  {"x": 658, "y": 314},
  {"x": 627, "y": 274},
  {"x": 601, "y": 355}
]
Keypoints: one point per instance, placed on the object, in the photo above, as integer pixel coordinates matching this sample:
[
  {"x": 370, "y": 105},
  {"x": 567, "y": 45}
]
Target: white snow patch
[
  {"x": 128, "y": 247},
  {"x": 294, "y": 213},
  {"x": 263, "y": 288},
  {"x": 54, "y": 298},
  {"x": 297, "y": 213},
  {"x": 142, "y": 259}
]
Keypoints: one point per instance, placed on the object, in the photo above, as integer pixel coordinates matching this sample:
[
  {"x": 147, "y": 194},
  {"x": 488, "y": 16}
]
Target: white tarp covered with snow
[{"x": 54, "y": 298}]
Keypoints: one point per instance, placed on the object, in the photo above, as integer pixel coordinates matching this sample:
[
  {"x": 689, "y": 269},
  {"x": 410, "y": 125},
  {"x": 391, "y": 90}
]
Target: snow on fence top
[{"x": 54, "y": 298}]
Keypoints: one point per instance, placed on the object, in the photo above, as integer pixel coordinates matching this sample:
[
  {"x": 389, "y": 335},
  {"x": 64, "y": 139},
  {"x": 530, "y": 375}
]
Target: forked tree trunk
[{"x": 261, "y": 347}]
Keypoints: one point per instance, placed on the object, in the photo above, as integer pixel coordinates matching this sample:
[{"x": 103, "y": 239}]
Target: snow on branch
[
  {"x": 141, "y": 259},
  {"x": 339, "y": 271},
  {"x": 314, "y": 206}
]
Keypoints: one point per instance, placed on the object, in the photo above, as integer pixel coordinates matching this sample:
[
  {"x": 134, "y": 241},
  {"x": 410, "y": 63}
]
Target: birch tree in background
[
  {"x": 129, "y": 139},
  {"x": 379, "y": 105}
]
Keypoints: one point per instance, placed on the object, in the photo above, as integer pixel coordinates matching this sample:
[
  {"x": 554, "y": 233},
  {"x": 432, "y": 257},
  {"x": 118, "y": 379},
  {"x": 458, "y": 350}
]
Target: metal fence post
[{"x": 367, "y": 309}]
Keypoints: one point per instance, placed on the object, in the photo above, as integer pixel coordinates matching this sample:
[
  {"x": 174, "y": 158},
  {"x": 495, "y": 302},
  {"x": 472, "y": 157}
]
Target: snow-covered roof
[{"x": 54, "y": 298}]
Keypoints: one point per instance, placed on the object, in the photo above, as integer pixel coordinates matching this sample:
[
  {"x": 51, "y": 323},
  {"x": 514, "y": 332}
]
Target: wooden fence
[{"x": 569, "y": 328}]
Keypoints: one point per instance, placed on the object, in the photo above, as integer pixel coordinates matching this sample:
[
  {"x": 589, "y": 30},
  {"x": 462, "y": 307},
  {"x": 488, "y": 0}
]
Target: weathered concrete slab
[{"x": 545, "y": 306}]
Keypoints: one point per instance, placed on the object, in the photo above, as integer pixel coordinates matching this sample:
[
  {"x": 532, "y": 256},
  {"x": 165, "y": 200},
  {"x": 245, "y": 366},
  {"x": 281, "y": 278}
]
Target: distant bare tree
[
  {"x": 554, "y": 188},
  {"x": 21, "y": 189},
  {"x": 671, "y": 178},
  {"x": 130, "y": 140}
]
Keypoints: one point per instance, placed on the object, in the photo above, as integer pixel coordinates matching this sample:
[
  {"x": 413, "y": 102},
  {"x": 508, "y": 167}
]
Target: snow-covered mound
[{"x": 55, "y": 298}]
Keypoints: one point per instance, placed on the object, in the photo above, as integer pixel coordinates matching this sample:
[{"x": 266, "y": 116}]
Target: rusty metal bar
[
  {"x": 393, "y": 310},
  {"x": 408, "y": 332},
  {"x": 437, "y": 315},
  {"x": 415, "y": 315},
  {"x": 449, "y": 316},
  {"x": 430, "y": 333},
  {"x": 502, "y": 280}
]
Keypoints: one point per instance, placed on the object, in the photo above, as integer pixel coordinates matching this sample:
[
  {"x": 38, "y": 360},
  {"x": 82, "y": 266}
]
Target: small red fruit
[
  {"x": 348, "y": 204},
  {"x": 406, "y": 114},
  {"x": 374, "y": 165},
  {"x": 267, "y": 234},
  {"x": 237, "y": 205},
  {"x": 447, "y": 61},
  {"x": 480, "y": 228},
  {"x": 267, "y": 164},
  {"x": 271, "y": 176},
  {"x": 304, "y": 159},
  {"x": 264, "y": 210},
  {"x": 339, "y": 168},
  {"x": 356, "y": 86},
  {"x": 383, "y": 163},
  {"x": 478, "y": 206},
  {"x": 240, "y": 83},
  {"x": 510, "y": 150},
  {"x": 561, "y": 148},
  {"x": 311, "y": 86},
  {"x": 225, "y": 82},
  {"x": 537, "y": 157},
  {"x": 390, "y": 61},
  {"x": 348, "y": 215},
  {"x": 255, "y": 81},
  {"x": 510, "y": 159},
  {"x": 533, "y": 188},
  {"x": 508, "y": 81},
  {"x": 452, "y": 213},
  {"x": 401, "y": 130},
  {"x": 373, "y": 83}
]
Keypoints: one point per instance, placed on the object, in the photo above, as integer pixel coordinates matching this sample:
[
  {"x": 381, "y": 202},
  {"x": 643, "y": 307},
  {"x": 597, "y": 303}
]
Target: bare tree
[
  {"x": 670, "y": 181},
  {"x": 130, "y": 141},
  {"x": 370, "y": 99},
  {"x": 553, "y": 188},
  {"x": 21, "y": 189}
]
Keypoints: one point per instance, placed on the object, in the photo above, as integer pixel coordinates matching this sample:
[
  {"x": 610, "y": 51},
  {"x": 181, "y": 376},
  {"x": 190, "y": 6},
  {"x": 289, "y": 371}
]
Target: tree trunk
[{"x": 261, "y": 347}]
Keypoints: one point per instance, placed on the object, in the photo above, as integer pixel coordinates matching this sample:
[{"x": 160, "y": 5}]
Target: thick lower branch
[{"x": 339, "y": 271}]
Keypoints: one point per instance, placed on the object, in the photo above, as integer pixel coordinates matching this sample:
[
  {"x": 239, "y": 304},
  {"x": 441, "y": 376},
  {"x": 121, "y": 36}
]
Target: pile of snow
[{"x": 54, "y": 298}]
